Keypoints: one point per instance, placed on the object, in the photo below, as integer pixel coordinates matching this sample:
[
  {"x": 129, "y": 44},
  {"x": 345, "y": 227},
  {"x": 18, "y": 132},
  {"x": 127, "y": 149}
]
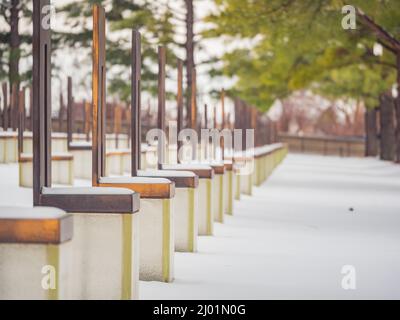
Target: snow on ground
[{"x": 292, "y": 238}]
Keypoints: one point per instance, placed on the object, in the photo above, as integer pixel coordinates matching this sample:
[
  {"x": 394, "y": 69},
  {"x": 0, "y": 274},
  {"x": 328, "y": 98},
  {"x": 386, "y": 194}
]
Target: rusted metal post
[
  {"x": 30, "y": 127},
  {"x": 87, "y": 106},
  {"x": 161, "y": 106},
  {"x": 222, "y": 141},
  {"x": 41, "y": 102},
  {"x": 14, "y": 107},
  {"x": 21, "y": 121},
  {"x": 70, "y": 111},
  {"x": 180, "y": 105},
  {"x": 136, "y": 102},
  {"x": 193, "y": 113},
  {"x": 98, "y": 92},
  {"x": 61, "y": 113},
  {"x": 5, "y": 107}
]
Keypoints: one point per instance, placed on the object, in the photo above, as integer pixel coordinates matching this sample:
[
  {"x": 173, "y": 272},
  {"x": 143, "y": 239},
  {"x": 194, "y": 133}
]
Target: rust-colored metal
[
  {"x": 136, "y": 102},
  {"x": 41, "y": 102},
  {"x": 179, "y": 99},
  {"x": 98, "y": 92},
  {"x": 117, "y": 123},
  {"x": 24, "y": 158},
  {"x": 70, "y": 202},
  {"x": 21, "y": 121},
  {"x": 148, "y": 190},
  {"x": 193, "y": 113},
  {"x": 39, "y": 231},
  {"x": 94, "y": 203},
  {"x": 161, "y": 106},
  {"x": 70, "y": 111},
  {"x": 87, "y": 113},
  {"x": 5, "y": 107},
  {"x": 218, "y": 168},
  {"x": 14, "y": 107},
  {"x": 30, "y": 127},
  {"x": 222, "y": 141},
  {"x": 61, "y": 113}
]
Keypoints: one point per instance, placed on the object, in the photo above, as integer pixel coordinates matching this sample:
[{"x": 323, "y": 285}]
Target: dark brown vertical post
[
  {"x": 180, "y": 104},
  {"x": 387, "y": 134},
  {"x": 136, "y": 103},
  {"x": 98, "y": 94},
  {"x": 14, "y": 107},
  {"x": 5, "y": 107},
  {"x": 371, "y": 141},
  {"x": 61, "y": 113},
  {"x": 41, "y": 102},
  {"x": 117, "y": 124},
  {"x": 86, "y": 107},
  {"x": 21, "y": 121},
  {"x": 70, "y": 111},
  {"x": 222, "y": 141},
  {"x": 30, "y": 108},
  {"x": 193, "y": 113},
  {"x": 161, "y": 105}
]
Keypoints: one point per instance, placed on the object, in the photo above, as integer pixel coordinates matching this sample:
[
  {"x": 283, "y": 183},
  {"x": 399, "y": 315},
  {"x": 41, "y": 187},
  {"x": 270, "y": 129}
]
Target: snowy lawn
[{"x": 292, "y": 238}]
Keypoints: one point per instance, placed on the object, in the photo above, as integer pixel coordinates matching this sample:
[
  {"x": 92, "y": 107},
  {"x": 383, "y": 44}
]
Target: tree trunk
[
  {"x": 387, "y": 128},
  {"x": 189, "y": 57},
  {"x": 371, "y": 132}
]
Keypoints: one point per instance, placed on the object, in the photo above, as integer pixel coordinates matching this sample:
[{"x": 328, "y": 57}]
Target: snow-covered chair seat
[
  {"x": 62, "y": 169},
  {"x": 82, "y": 152},
  {"x": 59, "y": 142},
  {"x": 266, "y": 159},
  {"x": 229, "y": 186},
  {"x": 205, "y": 217},
  {"x": 105, "y": 246},
  {"x": 186, "y": 206},
  {"x": 35, "y": 254},
  {"x": 115, "y": 162},
  {"x": 156, "y": 224},
  {"x": 219, "y": 191},
  {"x": 8, "y": 147}
]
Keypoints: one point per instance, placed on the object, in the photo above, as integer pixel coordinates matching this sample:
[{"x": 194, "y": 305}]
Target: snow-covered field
[{"x": 293, "y": 237}]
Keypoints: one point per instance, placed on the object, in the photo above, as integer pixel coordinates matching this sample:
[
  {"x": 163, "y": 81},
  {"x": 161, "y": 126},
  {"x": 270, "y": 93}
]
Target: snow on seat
[
  {"x": 205, "y": 207},
  {"x": 105, "y": 242},
  {"x": 266, "y": 159},
  {"x": 115, "y": 162},
  {"x": 35, "y": 253},
  {"x": 156, "y": 224},
  {"x": 186, "y": 208},
  {"x": 8, "y": 147},
  {"x": 62, "y": 169}
]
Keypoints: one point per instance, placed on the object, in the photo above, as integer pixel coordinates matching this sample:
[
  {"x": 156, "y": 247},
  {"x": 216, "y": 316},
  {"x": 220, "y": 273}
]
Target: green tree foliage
[
  {"x": 302, "y": 45},
  {"x": 10, "y": 56},
  {"x": 154, "y": 20}
]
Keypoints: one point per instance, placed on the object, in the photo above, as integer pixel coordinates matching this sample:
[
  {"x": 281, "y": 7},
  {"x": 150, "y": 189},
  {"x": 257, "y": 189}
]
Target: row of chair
[{"x": 101, "y": 240}]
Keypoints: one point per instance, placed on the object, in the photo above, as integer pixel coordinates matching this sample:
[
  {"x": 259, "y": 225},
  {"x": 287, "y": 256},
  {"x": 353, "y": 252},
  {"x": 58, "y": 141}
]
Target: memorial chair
[
  {"x": 157, "y": 195},
  {"x": 186, "y": 182},
  {"x": 106, "y": 225},
  {"x": 36, "y": 260}
]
